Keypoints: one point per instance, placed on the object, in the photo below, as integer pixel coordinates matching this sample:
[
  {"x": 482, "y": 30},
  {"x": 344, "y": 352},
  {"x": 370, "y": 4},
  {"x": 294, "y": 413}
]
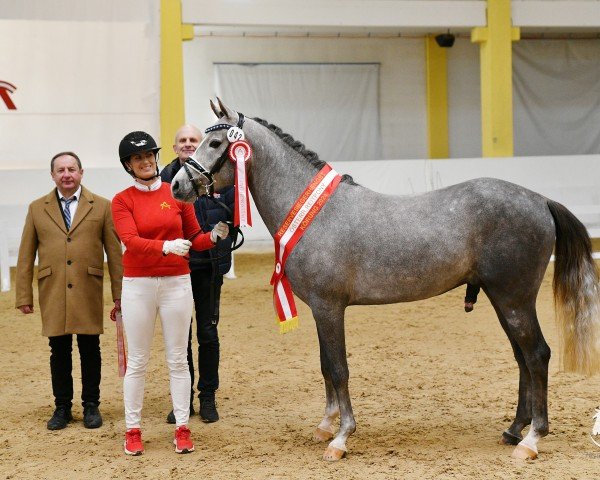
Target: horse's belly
[{"x": 405, "y": 289}]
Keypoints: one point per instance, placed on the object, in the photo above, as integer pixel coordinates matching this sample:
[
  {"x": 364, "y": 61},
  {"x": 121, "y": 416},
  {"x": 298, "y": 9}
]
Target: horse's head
[{"x": 210, "y": 167}]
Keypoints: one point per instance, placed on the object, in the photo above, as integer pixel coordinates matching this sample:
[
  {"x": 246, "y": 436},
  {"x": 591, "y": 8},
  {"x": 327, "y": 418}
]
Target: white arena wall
[{"x": 571, "y": 180}]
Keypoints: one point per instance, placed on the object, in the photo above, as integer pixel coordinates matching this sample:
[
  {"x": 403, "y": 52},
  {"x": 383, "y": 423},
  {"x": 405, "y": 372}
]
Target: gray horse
[{"x": 367, "y": 248}]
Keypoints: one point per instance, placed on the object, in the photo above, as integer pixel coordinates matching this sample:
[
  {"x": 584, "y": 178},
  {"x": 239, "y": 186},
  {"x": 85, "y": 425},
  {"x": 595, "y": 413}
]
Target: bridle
[{"x": 191, "y": 164}]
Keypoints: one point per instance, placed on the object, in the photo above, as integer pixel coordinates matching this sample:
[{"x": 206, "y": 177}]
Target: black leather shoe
[
  {"x": 171, "y": 418},
  {"x": 60, "y": 418},
  {"x": 171, "y": 415},
  {"x": 91, "y": 416},
  {"x": 208, "y": 409}
]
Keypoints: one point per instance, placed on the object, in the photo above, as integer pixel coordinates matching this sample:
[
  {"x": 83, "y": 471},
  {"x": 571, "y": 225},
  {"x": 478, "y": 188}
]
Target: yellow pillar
[
  {"x": 495, "y": 42},
  {"x": 437, "y": 99},
  {"x": 172, "y": 105}
]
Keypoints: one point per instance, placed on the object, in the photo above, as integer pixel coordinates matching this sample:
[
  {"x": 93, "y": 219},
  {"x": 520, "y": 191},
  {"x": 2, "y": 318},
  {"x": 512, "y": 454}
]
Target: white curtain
[
  {"x": 556, "y": 86},
  {"x": 332, "y": 108}
]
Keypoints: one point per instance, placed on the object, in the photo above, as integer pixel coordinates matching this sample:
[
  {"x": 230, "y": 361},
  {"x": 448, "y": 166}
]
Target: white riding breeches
[{"x": 142, "y": 299}]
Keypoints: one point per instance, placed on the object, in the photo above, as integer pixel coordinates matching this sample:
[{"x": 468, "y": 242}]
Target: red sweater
[{"x": 144, "y": 220}]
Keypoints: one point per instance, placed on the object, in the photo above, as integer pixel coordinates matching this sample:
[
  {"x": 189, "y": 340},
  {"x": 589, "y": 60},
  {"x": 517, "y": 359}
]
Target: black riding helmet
[{"x": 137, "y": 142}]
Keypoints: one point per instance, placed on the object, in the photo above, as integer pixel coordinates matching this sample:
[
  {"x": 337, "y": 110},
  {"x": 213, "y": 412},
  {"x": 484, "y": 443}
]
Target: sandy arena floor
[{"x": 433, "y": 388}]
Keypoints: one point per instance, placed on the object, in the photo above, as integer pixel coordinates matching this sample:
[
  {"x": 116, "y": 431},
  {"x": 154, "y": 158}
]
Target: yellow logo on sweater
[{"x": 164, "y": 205}]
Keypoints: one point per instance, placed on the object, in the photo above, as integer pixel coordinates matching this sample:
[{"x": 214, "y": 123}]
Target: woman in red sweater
[{"x": 155, "y": 228}]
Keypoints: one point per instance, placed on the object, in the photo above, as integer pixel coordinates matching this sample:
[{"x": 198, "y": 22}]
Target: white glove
[
  {"x": 221, "y": 231},
  {"x": 179, "y": 246}
]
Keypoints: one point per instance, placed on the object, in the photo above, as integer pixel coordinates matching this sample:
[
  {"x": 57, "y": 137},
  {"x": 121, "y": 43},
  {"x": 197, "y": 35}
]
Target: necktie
[{"x": 68, "y": 211}]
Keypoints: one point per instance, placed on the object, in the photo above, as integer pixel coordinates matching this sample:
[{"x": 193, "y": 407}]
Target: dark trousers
[
  {"x": 206, "y": 331},
  {"x": 61, "y": 366}
]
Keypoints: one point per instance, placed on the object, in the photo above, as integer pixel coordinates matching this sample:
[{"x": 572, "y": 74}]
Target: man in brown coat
[{"x": 70, "y": 229}]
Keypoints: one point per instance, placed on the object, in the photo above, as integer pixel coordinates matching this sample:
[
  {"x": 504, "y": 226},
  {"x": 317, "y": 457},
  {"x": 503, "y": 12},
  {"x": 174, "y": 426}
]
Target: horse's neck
[{"x": 278, "y": 177}]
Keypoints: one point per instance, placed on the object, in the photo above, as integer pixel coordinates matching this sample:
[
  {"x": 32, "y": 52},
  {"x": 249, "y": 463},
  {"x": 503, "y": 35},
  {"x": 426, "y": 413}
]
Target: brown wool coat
[{"x": 70, "y": 263}]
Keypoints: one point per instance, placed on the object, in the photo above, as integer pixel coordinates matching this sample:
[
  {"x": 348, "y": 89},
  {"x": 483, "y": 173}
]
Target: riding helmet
[{"x": 136, "y": 142}]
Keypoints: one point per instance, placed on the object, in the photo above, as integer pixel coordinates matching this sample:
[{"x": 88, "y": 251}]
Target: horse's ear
[
  {"x": 227, "y": 112},
  {"x": 213, "y": 107}
]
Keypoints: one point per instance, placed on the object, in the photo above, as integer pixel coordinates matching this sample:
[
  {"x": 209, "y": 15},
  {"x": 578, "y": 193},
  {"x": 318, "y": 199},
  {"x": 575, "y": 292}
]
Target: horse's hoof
[
  {"x": 333, "y": 454},
  {"x": 509, "y": 439},
  {"x": 521, "y": 452},
  {"x": 321, "y": 435},
  {"x": 468, "y": 307}
]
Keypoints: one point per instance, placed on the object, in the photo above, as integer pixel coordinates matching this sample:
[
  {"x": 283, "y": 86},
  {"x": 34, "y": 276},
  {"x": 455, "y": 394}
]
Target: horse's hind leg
[
  {"x": 512, "y": 436},
  {"x": 330, "y": 327},
  {"x": 523, "y": 330}
]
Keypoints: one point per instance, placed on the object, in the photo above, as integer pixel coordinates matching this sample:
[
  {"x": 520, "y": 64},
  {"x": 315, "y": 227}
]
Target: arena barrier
[{"x": 571, "y": 180}]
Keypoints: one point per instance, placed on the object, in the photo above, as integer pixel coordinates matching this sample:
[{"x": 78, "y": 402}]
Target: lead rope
[{"x": 212, "y": 303}]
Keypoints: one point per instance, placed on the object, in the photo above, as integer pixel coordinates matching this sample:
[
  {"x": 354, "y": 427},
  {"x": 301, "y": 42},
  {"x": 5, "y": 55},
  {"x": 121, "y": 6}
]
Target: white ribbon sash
[{"x": 293, "y": 227}]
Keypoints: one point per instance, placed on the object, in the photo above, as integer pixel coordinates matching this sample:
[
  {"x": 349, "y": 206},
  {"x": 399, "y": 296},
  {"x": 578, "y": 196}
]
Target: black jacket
[{"x": 209, "y": 212}]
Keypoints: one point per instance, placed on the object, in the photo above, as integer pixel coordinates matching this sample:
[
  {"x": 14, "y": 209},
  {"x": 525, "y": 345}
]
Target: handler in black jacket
[{"x": 207, "y": 272}]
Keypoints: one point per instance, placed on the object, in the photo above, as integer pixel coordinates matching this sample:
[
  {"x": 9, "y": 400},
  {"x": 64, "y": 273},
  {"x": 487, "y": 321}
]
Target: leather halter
[
  {"x": 208, "y": 174},
  {"x": 190, "y": 163}
]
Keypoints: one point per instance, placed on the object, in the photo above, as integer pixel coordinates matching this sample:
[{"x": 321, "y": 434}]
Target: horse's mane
[{"x": 312, "y": 157}]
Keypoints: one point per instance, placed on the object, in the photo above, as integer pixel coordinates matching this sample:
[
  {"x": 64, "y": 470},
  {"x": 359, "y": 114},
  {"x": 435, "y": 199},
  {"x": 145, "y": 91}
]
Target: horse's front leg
[
  {"x": 325, "y": 430},
  {"x": 330, "y": 327}
]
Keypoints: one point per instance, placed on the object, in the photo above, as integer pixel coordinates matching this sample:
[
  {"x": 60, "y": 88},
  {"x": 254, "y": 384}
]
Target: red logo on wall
[{"x": 5, "y": 90}]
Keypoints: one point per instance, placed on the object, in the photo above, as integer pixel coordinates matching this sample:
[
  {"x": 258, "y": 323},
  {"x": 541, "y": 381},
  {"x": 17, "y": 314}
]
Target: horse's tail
[{"x": 576, "y": 293}]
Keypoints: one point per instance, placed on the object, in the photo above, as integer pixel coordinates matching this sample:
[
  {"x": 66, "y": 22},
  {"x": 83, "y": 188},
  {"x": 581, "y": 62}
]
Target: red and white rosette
[{"x": 239, "y": 153}]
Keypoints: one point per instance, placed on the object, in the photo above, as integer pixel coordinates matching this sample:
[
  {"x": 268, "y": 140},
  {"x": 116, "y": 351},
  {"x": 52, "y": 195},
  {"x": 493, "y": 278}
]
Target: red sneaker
[
  {"x": 183, "y": 440},
  {"x": 133, "y": 442}
]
